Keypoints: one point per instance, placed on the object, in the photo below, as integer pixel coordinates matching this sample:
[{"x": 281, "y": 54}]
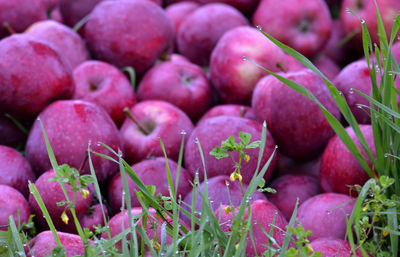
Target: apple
[
  {"x": 198, "y": 33},
  {"x": 221, "y": 191},
  {"x": 74, "y": 11},
  {"x": 106, "y": 86},
  {"x": 328, "y": 67},
  {"x": 70, "y": 125},
  {"x": 66, "y": 41},
  {"x": 10, "y": 134},
  {"x": 26, "y": 87},
  {"x": 155, "y": 120},
  {"x": 43, "y": 244},
  {"x": 15, "y": 170},
  {"x": 12, "y": 202},
  {"x": 286, "y": 165},
  {"x": 291, "y": 187},
  {"x": 305, "y": 29},
  {"x": 235, "y": 110},
  {"x": 297, "y": 124},
  {"x": 182, "y": 84},
  {"x": 234, "y": 78},
  {"x": 365, "y": 10},
  {"x": 94, "y": 217},
  {"x": 177, "y": 12},
  {"x": 265, "y": 217},
  {"x": 19, "y": 14},
  {"x": 340, "y": 170},
  {"x": 51, "y": 193},
  {"x": 333, "y": 247},
  {"x": 129, "y": 33},
  {"x": 211, "y": 132},
  {"x": 151, "y": 172},
  {"x": 325, "y": 215}
]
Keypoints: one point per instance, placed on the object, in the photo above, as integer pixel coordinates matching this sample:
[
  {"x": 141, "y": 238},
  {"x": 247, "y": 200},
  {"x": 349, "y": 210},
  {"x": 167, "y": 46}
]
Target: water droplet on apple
[
  {"x": 328, "y": 212},
  {"x": 244, "y": 58}
]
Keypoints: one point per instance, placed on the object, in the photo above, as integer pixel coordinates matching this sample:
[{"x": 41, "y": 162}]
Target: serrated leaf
[
  {"x": 229, "y": 144},
  {"x": 245, "y": 137}
]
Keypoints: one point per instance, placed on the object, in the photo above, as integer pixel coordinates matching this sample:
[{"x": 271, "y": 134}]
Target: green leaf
[
  {"x": 255, "y": 144},
  {"x": 219, "y": 153},
  {"x": 58, "y": 251},
  {"x": 245, "y": 137},
  {"x": 229, "y": 144},
  {"x": 88, "y": 179}
]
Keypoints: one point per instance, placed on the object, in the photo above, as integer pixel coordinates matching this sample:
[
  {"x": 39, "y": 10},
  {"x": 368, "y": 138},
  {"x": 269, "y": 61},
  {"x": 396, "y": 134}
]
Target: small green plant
[{"x": 303, "y": 247}]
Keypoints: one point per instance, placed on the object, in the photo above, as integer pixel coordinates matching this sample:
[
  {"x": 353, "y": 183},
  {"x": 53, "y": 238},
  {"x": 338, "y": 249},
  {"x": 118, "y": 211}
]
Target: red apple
[
  {"x": 12, "y": 202},
  {"x": 340, "y": 170},
  {"x": 235, "y": 110},
  {"x": 325, "y": 215},
  {"x": 234, "y": 78},
  {"x": 211, "y": 132},
  {"x": 333, "y": 247},
  {"x": 128, "y": 33},
  {"x": 10, "y": 134},
  {"x": 105, "y": 85},
  {"x": 151, "y": 172},
  {"x": 327, "y": 67},
  {"x": 286, "y": 165},
  {"x": 43, "y": 244},
  {"x": 177, "y": 12},
  {"x": 265, "y": 217},
  {"x": 297, "y": 124},
  {"x": 198, "y": 35},
  {"x": 32, "y": 74},
  {"x": 15, "y": 171},
  {"x": 66, "y": 41},
  {"x": 74, "y": 11},
  {"x": 306, "y": 25},
  {"x": 19, "y": 14},
  {"x": 291, "y": 187},
  {"x": 51, "y": 193},
  {"x": 157, "y": 120},
  {"x": 182, "y": 84},
  {"x": 365, "y": 10},
  {"x": 70, "y": 126}
]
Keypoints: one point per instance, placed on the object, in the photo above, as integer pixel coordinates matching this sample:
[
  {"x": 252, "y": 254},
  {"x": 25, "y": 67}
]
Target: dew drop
[
  {"x": 362, "y": 21},
  {"x": 244, "y": 58},
  {"x": 328, "y": 212},
  {"x": 227, "y": 183},
  {"x": 351, "y": 91},
  {"x": 348, "y": 10},
  {"x": 386, "y": 155},
  {"x": 183, "y": 132},
  {"x": 259, "y": 27}
]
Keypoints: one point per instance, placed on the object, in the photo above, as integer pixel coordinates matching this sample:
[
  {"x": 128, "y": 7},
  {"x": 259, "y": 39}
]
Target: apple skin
[
  {"x": 339, "y": 168},
  {"x": 12, "y": 202},
  {"x": 328, "y": 67},
  {"x": 94, "y": 217},
  {"x": 305, "y": 29},
  {"x": 291, "y": 187},
  {"x": 103, "y": 84},
  {"x": 70, "y": 125},
  {"x": 297, "y": 124},
  {"x": 264, "y": 214},
  {"x": 43, "y": 244},
  {"x": 286, "y": 165},
  {"x": 182, "y": 84},
  {"x": 211, "y": 132},
  {"x": 321, "y": 215},
  {"x": 10, "y": 134},
  {"x": 333, "y": 247},
  {"x": 51, "y": 193},
  {"x": 164, "y": 121},
  {"x": 150, "y": 172},
  {"x": 15, "y": 170},
  {"x": 198, "y": 35},
  {"x": 218, "y": 194},
  {"x": 234, "y": 78},
  {"x": 235, "y": 110},
  {"x": 177, "y": 12},
  {"x": 19, "y": 14},
  {"x": 365, "y": 9},
  {"x": 128, "y": 33},
  {"x": 66, "y": 41},
  {"x": 27, "y": 88}
]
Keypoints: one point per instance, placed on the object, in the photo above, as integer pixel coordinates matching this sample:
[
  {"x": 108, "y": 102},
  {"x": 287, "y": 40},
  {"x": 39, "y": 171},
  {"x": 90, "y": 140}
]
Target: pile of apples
[{"x": 191, "y": 80}]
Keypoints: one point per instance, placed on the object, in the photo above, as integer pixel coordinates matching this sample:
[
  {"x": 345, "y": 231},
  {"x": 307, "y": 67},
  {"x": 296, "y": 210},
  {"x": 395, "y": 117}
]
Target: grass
[{"x": 372, "y": 227}]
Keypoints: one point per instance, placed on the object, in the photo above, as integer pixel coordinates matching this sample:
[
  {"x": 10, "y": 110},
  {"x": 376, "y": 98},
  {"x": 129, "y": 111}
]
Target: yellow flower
[
  {"x": 365, "y": 208},
  {"x": 247, "y": 158},
  {"x": 310, "y": 248},
  {"x": 227, "y": 209},
  {"x": 155, "y": 245},
  {"x": 84, "y": 193},
  {"x": 235, "y": 175},
  {"x": 385, "y": 233},
  {"x": 64, "y": 217}
]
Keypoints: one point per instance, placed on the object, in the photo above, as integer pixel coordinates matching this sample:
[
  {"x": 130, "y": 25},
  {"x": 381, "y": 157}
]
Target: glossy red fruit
[{"x": 12, "y": 203}]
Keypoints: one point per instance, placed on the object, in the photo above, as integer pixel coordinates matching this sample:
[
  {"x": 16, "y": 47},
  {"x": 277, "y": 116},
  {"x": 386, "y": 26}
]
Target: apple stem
[
  {"x": 243, "y": 112},
  {"x": 130, "y": 116},
  {"x": 9, "y": 28}
]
